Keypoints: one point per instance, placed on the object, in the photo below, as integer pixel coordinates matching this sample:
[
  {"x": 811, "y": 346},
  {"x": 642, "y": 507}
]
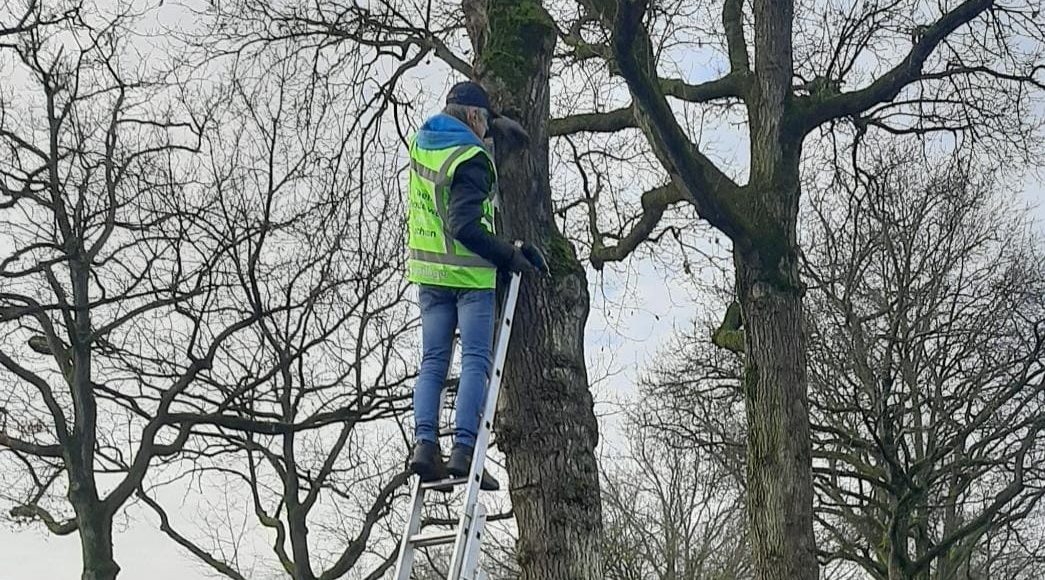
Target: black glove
[
  {"x": 520, "y": 263},
  {"x": 526, "y": 258},
  {"x": 535, "y": 257}
]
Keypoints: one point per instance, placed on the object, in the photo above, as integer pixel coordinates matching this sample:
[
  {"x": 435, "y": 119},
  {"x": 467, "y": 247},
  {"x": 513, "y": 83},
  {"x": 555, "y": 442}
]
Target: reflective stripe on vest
[{"x": 450, "y": 259}]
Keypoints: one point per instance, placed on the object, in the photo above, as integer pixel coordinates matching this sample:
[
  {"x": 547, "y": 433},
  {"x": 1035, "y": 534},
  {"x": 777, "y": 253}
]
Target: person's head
[{"x": 468, "y": 103}]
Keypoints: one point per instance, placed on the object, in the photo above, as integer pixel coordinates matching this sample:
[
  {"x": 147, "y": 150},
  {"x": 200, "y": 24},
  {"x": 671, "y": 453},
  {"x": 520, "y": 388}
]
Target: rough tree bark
[
  {"x": 95, "y": 540},
  {"x": 547, "y": 427}
]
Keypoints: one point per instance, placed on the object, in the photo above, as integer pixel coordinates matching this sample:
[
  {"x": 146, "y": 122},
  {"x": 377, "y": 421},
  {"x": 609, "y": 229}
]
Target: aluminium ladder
[{"x": 464, "y": 564}]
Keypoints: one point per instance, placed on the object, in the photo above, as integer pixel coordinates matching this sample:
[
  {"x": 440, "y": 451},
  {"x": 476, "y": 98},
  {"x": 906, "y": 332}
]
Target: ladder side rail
[
  {"x": 405, "y": 562},
  {"x": 470, "y": 567},
  {"x": 482, "y": 441}
]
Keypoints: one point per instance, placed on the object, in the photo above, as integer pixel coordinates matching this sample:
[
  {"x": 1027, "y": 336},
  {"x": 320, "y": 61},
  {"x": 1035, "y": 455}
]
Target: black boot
[
  {"x": 427, "y": 461},
  {"x": 460, "y": 464}
]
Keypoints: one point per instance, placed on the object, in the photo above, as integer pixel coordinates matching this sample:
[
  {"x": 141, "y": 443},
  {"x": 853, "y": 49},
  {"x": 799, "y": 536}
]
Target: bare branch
[
  {"x": 654, "y": 203},
  {"x": 733, "y": 85},
  {"x": 30, "y": 448},
  {"x": 57, "y": 415},
  {"x": 713, "y": 194},
  {"x": 608, "y": 122},
  {"x": 34, "y": 511},
  {"x": 817, "y": 110},
  {"x": 34, "y": 18},
  {"x": 733, "y": 23},
  {"x": 354, "y": 550},
  {"x": 147, "y": 448},
  {"x": 204, "y": 556}
]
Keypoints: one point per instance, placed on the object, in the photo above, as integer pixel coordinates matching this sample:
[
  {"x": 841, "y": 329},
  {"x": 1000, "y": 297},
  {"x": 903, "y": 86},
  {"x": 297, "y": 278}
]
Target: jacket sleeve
[{"x": 471, "y": 185}]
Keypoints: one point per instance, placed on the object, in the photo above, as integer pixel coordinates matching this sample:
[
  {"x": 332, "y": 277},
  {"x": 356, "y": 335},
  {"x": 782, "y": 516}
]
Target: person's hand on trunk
[
  {"x": 527, "y": 258},
  {"x": 505, "y": 130}
]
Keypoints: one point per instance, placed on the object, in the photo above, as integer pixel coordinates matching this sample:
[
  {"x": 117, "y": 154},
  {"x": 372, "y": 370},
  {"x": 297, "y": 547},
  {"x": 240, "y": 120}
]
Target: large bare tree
[
  {"x": 790, "y": 72},
  {"x": 310, "y": 440},
  {"x": 139, "y": 288},
  {"x": 113, "y": 270}
]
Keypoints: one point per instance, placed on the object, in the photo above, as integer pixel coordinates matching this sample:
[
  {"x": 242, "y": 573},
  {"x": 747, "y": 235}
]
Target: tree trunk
[
  {"x": 93, "y": 517},
  {"x": 547, "y": 427},
  {"x": 779, "y": 474},
  {"x": 779, "y": 451},
  {"x": 94, "y": 524},
  {"x": 95, "y": 529}
]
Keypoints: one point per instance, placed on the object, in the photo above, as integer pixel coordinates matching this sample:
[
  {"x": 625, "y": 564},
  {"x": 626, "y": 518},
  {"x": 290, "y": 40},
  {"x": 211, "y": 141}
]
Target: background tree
[
  {"x": 144, "y": 244},
  {"x": 928, "y": 337},
  {"x": 671, "y": 511},
  {"x": 310, "y": 441},
  {"x": 114, "y": 272},
  {"x": 925, "y": 320}
]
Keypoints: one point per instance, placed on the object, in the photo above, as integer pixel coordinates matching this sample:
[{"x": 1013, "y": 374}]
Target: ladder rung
[
  {"x": 444, "y": 484},
  {"x": 422, "y": 540}
]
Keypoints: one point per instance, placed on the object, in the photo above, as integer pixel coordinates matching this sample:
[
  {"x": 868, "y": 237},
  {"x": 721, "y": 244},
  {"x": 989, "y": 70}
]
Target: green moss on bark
[
  {"x": 509, "y": 57},
  {"x": 729, "y": 335},
  {"x": 562, "y": 257}
]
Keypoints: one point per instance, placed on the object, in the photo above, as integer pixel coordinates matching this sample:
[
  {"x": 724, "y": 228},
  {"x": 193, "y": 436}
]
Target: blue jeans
[{"x": 442, "y": 310}]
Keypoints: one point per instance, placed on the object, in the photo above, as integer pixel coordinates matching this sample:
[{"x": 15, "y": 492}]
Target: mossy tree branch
[{"x": 729, "y": 334}]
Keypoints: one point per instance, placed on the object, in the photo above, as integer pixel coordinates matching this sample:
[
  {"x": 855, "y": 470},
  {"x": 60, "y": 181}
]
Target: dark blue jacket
[{"x": 471, "y": 185}]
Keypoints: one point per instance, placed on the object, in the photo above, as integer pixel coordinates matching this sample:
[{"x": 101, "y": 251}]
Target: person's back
[{"x": 454, "y": 256}]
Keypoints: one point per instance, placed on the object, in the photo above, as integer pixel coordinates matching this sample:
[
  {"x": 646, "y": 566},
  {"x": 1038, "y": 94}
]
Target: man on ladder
[{"x": 454, "y": 258}]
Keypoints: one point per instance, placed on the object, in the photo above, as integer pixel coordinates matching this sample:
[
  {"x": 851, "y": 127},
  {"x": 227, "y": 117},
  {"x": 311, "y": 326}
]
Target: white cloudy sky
[{"x": 145, "y": 553}]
